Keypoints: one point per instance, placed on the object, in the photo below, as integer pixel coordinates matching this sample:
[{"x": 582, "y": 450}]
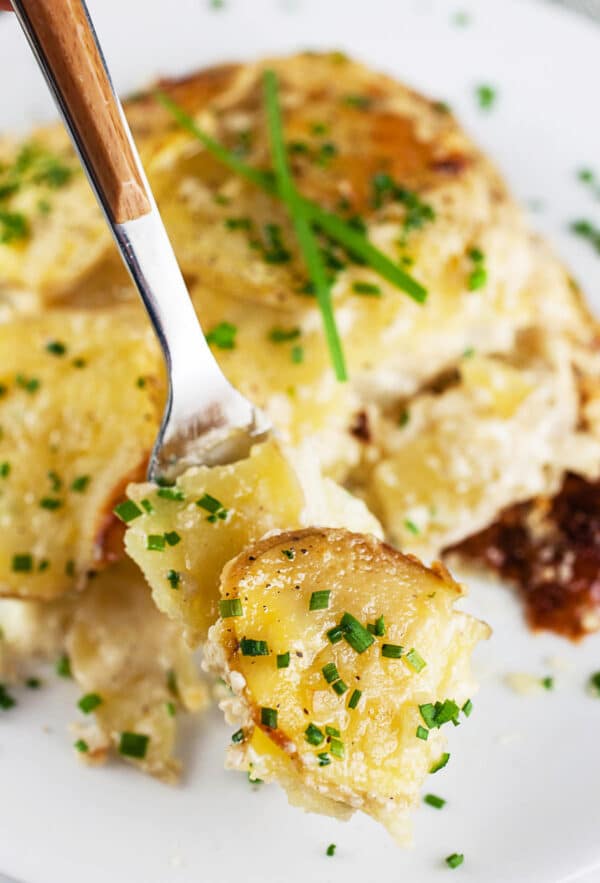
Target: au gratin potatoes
[{"x": 468, "y": 419}]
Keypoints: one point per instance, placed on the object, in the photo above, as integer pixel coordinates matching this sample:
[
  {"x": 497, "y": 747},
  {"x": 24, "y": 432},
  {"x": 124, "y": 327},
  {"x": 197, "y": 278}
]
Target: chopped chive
[
  {"x": 339, "y": 687},
  {"x": 155, "y": 542},
  {"x": 332, "y": 731},
  {"x": 434, "y": 800},
  {"x": 379, "y": 631},
  {"x": 283, "y": 660},
  {"x": 127, "y": 511},
  {"x": 454, "y": 860},
  {"x": 50, "y": 503},
  {"x": 80, "y": 484},
  {"x": 4, "y": 469},
  {"x": 289, "y": 554},
  {"x": 56, "y": 347},
  {"x": 391, "y": 651},
  {"x": 22, "y": 563},
  {"x": 281, "y": 335},
  {"x": 302, "y": 223},
  {"x": 211, "y": 504},
  {"x": 297, "y": 355},
  {"x": 251, "y": 647},
  {"x": 354, "y": 698},
  {"x": 63, "y": 666},
  {"x": 70, "y": 567},
  {"x": 366, "y": 288},
  {"x": 238, "y": 736},
  {"x": 547, "y": 683},
  {"x": 140, "y": 382},
  {"x": 89, "y": 702},
  {"x": 335, "y": 634},
  {"x": 82, "y": 746},
  {"x": 222, "y": 336},
  {"x": 172, "y": 683},
  {"x": 319, "y": 600},
  {"x": 411, "y": 526},
  {"x": 324, "y": 759},
  {"x": 330, "y": 672},
  {"x": 330, "y": 849},
  {"x": 268, "y": 718},
  {"x": 147, "y": 506},
  {"x": 172, "y": 537},
  {"x": 440, "y": 764},
  {"x": 55, "y": 480},
  {"x": 467, "y": 708},
  {"x": 170, "y": 493},
  {"x": 440, "y": 713},
  {"x": 133, "y": 745},
  {"x": 313, "y": 735},
  {"x": 6, "y": 700},
  {"x": 230, "y": 607},
  {"x": 477, "y": 278},
  {"x": 355, "y": 634},
  {"x": 361, "y": 102},
  {"x": 422, "y": 733},
  {"x": 29, "y": 384},
  {"x": 337, "y": 748},
  {"x": 594, "y": 683},
  {"x": 238, "y": 223},
  {"x": 33, "y": 683},
  {"x": 174, "y": 578},
  {"x": 415, "y": 660},
  {"x": 170, "y": 708},
  {"x": 486, "y": 96}
]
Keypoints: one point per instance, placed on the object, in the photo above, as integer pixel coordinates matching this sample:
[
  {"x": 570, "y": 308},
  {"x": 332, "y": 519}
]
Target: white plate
[{"x": 524, "y": 780}]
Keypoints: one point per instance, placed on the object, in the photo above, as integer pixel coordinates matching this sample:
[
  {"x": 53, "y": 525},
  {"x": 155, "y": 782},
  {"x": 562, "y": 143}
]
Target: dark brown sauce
[{"x": 549, "y": 549}]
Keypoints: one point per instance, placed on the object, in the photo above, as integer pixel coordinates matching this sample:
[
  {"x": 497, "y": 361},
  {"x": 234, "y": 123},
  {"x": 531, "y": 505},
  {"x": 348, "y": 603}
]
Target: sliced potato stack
[
  {"x": 80, "y": 401},
  {"x": 345, "y": 658}
]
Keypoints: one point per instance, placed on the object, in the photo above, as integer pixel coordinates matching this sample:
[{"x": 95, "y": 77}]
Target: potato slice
[
  {"x": 202, "y": 523},
  {"x": 123, "y": 650},
  {"x": 80, "y": 405},
  {"x": 337, "y": 721}
]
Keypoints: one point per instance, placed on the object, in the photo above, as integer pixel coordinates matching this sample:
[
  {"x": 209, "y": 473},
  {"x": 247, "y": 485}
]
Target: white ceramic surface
[{"x": 523, "y": 784}]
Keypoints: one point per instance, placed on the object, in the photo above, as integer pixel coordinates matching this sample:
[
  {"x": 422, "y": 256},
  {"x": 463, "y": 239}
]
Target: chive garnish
[
  {"x": 56, "y": 348},
  {"x": 297, "y": 354},
  {"x": 434, "y": 800},
  {"x": 251, "y": 647},
  {"x": 422, "y": 733},
  {"x": 81, "y": 745},
  {"x": 440, "y": 764},
  {"x": 415, "y": 660},
  {"x": 238, "y": 737},
  {"x": 230, "y": 607},
  {"x": 133, "y": 745},
  {"x": 354, "y": 698},
  {"x": 467, "y": 708},
  {"x": 127, "y": 511},
  {"x": 440, "y": 713},
  {"x": 174, "y": 578},
  {"x": 339, "y": 687},
  {"x": 366, "y": 288},
  {"x": 324, "y": 759},
  {"x": 454, "y": 860},
  {"x": 330, "y": 849},
  {"x": 33, "y": 683},
  {"x": 155, "y": 542},
  {"x": 172, "y": 537},
  {"x": 355, "y": 634},
  {"x": 170, "y": 493},
  {"x": 594, "y": 683},
  {"x": 268, "y": 718},
  {"x": 486, "y": 96},
  {"x": 222, "y": 336},
  {"x": 80, "y": 484},
  {"x": 4, "y": 469},
  {"x": 548, "y": 683},
  {"x": 147, "y": 506},
  {"x": 283, "y": 660},
  {"x": 330, "y": 672},
  {"x": 89, "y": 702},
  {"x": 313, "y": 735},
  {"x": 332, "y": 731},
  {"x": 337, "y": 748},
  {"x": 301, "y": 220},
  {"x": 281, "y": 335},
  {"x": 289, "y": 554},
  {"x": 50, "y": 503},
  {"x": 391, "y": 651},
  {"x": 6, "y": 700},
  {"x": 319, "y": 600},
  {"x": 63, "y": 666},
  {"x": 22, "y": 563}
]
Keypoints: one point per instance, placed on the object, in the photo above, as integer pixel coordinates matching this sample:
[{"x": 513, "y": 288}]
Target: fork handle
[{"x": 62, "y": 37}]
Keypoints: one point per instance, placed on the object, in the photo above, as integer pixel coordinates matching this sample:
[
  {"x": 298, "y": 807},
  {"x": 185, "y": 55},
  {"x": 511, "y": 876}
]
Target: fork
[{"x": 206, "y": 421}]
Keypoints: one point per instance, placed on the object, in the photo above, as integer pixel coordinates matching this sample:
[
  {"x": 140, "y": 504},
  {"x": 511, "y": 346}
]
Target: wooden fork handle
[{"x": 62, "y": 36}]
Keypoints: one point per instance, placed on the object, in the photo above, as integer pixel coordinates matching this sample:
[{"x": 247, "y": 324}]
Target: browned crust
[{"x": 549, "y": 549}]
